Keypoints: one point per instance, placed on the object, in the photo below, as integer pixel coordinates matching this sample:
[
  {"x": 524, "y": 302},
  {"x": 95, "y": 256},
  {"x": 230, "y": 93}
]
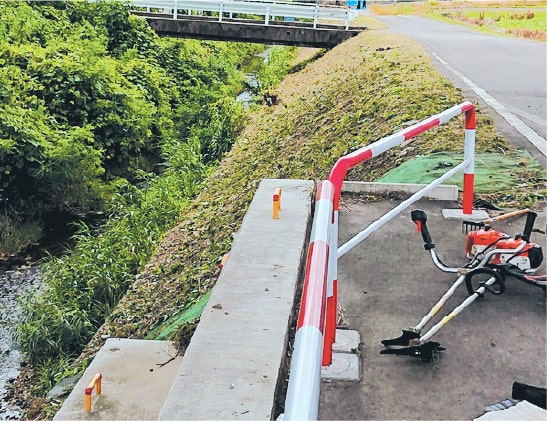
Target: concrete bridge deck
[{"x": 278, "y": 33}]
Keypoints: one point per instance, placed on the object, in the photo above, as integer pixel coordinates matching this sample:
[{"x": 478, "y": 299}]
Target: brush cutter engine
[{"x": 527, "y": 260}]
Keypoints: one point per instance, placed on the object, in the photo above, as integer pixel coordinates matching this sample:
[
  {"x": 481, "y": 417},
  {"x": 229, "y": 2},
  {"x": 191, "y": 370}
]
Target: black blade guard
[
  {"x": 425, "y": 351},
  {"x": 403, "y": 340}
]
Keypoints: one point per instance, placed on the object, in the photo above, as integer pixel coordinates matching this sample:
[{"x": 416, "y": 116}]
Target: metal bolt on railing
[{"x": 94, "y": 383}]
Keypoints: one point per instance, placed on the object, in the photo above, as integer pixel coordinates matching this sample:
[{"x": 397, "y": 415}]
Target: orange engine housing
[
  {"x": 478, "y": 240},
  {"x": 528, "y": 259}
]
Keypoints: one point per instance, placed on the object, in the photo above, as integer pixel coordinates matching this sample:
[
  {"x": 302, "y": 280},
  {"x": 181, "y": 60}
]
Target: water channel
[
  {"x": 14, "y": 283},
  {"x": 249, "y": 95}
]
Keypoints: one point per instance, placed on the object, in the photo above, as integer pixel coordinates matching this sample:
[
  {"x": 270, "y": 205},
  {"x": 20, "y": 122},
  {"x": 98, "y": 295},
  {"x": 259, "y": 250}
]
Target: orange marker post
[
  {"x": 276, "y": 203},
  {"x": 224, "y": 260},
  {"x": 94, "y": 383}
]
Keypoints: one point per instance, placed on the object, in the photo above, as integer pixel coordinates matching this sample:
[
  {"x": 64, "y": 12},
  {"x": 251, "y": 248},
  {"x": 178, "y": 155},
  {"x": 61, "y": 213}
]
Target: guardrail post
[
  {"x": 220, "y": 10},
  {"x": 302, "y": 400},
  {"x": 332, "y": 292},
  {"x": 267, "y": 17},
  {"x": 469, "y": 154}
]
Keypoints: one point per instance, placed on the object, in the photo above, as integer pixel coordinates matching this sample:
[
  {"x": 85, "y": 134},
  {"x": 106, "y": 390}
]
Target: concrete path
[
  {"x": 136, "y": 378},
  {"x": 507, "y": 74},
  {"x": 389, "y": 282}
]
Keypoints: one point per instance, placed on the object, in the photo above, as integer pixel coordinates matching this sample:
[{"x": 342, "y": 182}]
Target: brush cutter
[{"x": 493, "y": 255}]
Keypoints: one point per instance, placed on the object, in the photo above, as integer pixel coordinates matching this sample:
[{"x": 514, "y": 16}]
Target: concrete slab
[
  {"x": 389, "y": 282},
  {"x": 442, "y": 192},
  {"x": 346, "y": 341},
  {"x": 232, "y": 364},
  {"x": 476, "y": 214},
  {"x": 345, "y": 361},
  {"x": 521, "y": 411},
  {"x": 344, "y": 367},
  {"x": 134, "y": 385}
]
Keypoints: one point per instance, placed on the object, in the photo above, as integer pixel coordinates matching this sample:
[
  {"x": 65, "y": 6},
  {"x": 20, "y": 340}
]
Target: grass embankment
[
  {"x": 355, "y": 94},
  {"x": 523, "y": 19}
]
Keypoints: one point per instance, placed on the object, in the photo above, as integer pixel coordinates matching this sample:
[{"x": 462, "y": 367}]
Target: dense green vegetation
[
  {"x": 98, "y": 114},
  {"x": 274, "y": 68},
  {"x": 90, "y": 98}
]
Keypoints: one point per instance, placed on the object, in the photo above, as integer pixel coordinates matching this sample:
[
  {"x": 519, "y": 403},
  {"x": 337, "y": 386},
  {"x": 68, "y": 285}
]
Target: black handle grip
[
  {"x": 529, "y": 226},
  {"x": 419, "y": 218}
]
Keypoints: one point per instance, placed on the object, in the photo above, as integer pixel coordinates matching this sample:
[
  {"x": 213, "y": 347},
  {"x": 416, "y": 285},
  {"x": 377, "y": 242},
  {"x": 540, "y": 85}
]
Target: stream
[
  {"x": 248, "y": 96},
  {"x": 14, "y": 283}
]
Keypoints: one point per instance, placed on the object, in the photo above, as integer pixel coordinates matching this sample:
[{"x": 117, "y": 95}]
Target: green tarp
[{"x": 493, "y": 172}]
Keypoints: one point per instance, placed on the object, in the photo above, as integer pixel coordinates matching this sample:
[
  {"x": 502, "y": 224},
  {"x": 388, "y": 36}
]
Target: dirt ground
[{"x": 389, "y": 282}]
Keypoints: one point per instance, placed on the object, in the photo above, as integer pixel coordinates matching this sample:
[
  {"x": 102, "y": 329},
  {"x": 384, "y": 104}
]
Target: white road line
[{"x": 535, "y": 139}]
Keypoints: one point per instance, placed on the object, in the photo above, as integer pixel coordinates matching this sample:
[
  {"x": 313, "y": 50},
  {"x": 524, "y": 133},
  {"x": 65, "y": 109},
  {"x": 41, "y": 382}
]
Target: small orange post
[
  {"x": 94, "y": 383},
  {"x": 224, "y": 260},
  {"x": 276, "y": 203}
]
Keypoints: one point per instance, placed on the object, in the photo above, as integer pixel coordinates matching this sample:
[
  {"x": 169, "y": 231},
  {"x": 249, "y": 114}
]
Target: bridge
[{"x": 268, "y": 22}]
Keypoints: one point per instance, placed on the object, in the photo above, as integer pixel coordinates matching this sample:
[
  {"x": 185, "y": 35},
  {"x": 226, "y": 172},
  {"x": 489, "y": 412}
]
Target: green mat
[
  {"x": 180, "y": 319},
  {"x": 493, "y": 172}
]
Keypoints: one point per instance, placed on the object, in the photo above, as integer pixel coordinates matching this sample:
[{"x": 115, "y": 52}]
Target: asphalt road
[{"x": 509, "y": 74}]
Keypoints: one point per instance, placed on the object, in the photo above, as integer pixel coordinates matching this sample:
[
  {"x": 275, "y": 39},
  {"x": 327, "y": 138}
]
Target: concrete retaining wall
[{"x": 233, "y": 361}]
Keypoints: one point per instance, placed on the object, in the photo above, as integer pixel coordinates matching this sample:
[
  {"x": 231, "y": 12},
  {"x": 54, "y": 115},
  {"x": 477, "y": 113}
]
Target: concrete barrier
[{"x": 233, "y": 362}]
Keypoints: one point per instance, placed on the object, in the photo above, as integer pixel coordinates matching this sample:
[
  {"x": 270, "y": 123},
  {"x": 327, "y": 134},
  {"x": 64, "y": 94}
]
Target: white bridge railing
[{"x": 268, "y": 10}]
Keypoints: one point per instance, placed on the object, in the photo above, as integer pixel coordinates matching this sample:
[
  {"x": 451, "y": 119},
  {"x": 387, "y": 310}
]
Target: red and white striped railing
[
  {"x": 302, "y": 400},
  {"x": 316, "y": 328}
]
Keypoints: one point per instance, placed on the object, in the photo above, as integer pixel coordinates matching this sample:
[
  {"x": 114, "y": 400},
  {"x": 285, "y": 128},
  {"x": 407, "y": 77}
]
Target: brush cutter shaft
[
  {"x": 435, "y": 309},
  {"x": 467, "y": 302},
  {"x": 442, "y": 301}
]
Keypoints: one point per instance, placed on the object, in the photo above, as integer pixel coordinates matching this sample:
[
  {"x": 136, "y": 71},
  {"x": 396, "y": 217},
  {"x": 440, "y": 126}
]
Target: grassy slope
[{"x": 350, "y": 97}]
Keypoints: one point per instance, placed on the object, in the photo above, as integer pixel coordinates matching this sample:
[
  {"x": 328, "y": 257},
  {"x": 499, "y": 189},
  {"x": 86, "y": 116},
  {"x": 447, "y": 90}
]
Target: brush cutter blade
[
  {"x": 403, "y": 340},
  {"x": 426, "y": 352}
]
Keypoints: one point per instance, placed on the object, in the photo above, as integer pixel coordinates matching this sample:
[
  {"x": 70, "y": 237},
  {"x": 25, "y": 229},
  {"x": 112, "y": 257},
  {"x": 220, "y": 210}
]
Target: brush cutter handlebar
[
  {"x": 529, "y": 226},
  {"x": 419, "y": 218}
]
